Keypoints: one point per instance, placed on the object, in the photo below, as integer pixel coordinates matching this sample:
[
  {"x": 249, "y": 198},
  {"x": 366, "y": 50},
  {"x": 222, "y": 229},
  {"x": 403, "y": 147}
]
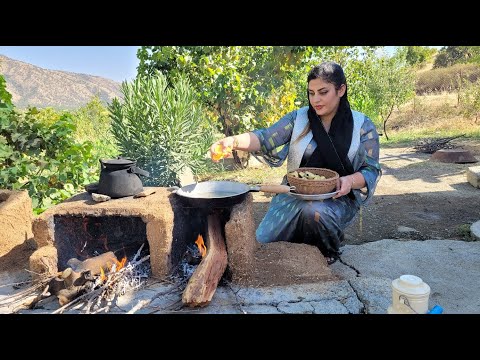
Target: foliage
[
  {"x": 278, "y": 103},
  {"x": 162, "y": 127},
  {"x": 233, "y": 82},
  {"x": 5, "y": 96},
  {"x": 252, "y": 86},
  {"x": 470, "y": 100},
  {"x": 390, "y": 84},
  {"x": 446, "y": 79},
  {"x": 359, "y": 70},
  {"x": 465, "y": 231},
  {"x": 417, "y": 55},
  {"x": 451, "y": 55},
  {"x": 43, "y": 159},
  {"x": 93, "y": 123}
]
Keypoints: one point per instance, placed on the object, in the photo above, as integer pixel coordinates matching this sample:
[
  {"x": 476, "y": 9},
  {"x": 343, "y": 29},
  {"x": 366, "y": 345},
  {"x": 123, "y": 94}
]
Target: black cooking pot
[{"x": 119, "y": 178}]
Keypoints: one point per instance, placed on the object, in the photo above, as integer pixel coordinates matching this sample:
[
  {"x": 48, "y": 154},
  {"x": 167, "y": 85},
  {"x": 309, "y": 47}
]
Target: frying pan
[{"x": 217, "y": 194}]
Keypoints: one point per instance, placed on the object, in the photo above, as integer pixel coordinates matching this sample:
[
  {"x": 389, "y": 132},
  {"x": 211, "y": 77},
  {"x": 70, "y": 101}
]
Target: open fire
[
  {"x": 201, "y": 245},
  {"x": 84, "y": 230}
]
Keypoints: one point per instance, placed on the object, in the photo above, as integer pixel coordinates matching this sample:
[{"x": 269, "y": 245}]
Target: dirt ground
[{"x": 433, "y": 198}]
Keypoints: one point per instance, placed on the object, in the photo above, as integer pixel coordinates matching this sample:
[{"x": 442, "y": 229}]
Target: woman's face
[{"x": 324, "y": 97}]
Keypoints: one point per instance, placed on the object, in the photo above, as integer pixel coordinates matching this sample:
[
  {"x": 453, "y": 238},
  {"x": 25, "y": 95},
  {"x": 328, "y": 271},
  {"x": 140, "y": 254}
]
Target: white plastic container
[{"x": 409, "y": 295}]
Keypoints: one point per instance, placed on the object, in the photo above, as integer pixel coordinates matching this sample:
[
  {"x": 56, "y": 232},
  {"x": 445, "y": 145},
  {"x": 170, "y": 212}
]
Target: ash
[
  {"x": 135, "y": 275},
  {"x": 190, "y": 261}
]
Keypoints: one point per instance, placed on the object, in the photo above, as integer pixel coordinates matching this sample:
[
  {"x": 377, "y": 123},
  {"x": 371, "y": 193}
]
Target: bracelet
[
  {"x": 235, "y": 142},
  {"x": 353, "y": 181}
]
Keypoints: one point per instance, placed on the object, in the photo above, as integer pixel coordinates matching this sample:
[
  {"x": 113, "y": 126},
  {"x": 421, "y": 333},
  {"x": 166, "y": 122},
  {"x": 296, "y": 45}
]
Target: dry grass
[{"x": 437, "y": 115}]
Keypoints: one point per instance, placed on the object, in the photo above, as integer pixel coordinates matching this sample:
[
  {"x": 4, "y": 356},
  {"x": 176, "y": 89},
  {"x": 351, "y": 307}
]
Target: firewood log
[
  {"x": 204, "y": 281},
  {"x": 94, "y": 263}
]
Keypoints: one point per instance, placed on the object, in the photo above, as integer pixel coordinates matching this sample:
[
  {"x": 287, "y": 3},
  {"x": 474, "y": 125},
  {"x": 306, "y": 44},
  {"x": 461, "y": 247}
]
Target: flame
[
  {"x": 121, "y": 263},
  {"x": 102, "y": 275},
  {"x": 201, "y": 245},
  {"x": 118, "y": 264}
]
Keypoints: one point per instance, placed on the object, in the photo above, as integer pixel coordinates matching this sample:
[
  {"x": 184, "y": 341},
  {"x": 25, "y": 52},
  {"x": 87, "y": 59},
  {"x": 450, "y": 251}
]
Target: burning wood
[
  {"x": 203, "y": 283},
  {"x": 116, "y": 282},
  {"x": 85, "y": 283},
  {"x": 94, "y": 264}
]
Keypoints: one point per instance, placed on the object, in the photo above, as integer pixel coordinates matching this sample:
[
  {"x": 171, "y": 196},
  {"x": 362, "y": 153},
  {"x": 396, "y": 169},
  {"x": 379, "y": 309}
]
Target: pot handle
[
  {"x": 138, "y": 171},
  {"x": 277, "y": 189}
]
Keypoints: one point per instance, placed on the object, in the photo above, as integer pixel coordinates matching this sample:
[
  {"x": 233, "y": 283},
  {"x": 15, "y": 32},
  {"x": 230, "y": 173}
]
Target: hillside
[{"x": 35, "y": 86}]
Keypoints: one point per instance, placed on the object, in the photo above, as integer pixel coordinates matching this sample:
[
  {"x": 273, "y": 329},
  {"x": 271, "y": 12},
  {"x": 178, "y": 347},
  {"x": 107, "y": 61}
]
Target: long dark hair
[{"x": 331, "y": 72}]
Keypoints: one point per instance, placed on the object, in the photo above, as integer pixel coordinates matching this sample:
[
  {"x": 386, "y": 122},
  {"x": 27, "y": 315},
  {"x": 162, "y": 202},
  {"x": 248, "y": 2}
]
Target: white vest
[{"x": 297, "y": 148}]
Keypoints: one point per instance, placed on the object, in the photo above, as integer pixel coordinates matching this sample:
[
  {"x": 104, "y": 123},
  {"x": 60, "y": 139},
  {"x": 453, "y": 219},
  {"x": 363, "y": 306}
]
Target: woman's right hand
[{"x": 221, "y": 148}]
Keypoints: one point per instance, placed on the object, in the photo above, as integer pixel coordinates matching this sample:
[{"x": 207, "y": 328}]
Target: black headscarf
[{"x": 332, "y": 147}]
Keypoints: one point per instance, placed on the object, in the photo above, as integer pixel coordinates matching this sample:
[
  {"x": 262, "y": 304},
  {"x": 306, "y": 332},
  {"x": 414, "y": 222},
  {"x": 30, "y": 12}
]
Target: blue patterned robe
[{"x": 320, "y": 223}]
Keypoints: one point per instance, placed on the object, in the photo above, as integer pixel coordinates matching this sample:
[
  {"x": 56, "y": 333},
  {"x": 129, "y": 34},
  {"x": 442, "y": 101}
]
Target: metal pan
[{"x": 215, "y": 194}]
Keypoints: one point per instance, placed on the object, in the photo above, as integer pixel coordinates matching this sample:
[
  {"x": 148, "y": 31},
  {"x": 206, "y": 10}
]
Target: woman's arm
[
  {"x": 265, "y": 141},
  {"x": 246, "y": 142}
]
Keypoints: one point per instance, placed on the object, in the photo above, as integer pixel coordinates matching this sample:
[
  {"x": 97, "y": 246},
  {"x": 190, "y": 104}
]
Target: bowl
[{"x": 309, "y": 186}]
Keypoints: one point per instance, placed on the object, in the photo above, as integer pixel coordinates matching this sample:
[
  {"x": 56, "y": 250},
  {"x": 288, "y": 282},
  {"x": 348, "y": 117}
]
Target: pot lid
[
  {"x": 123, "y": 162},
  {"x": 411, "y": 285}
]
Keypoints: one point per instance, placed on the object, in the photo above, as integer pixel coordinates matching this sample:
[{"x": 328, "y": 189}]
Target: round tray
[{"x": 313, "y": 196}]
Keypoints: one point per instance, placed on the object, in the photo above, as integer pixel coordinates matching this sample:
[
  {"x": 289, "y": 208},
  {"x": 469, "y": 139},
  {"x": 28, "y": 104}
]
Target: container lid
[
  {"x": 123, "y": 162},
  {"x": 411, "y": 285}
]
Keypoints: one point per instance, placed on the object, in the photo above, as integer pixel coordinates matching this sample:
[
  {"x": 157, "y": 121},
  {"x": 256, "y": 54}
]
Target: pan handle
[{"x": 277, "y": 189}]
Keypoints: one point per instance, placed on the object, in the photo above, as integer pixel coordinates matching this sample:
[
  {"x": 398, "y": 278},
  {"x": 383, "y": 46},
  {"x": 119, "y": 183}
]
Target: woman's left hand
[{"x": 344, "y": 185}]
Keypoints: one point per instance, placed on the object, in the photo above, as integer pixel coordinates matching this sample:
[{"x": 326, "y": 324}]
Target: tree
[
  {"x": 391, "y": 84},
  {"x": 234, "y": 82},
  {"x": 93, "y": 123},
  {"x": 417, "y": 55},
  {"x": 451, "y": 55}
]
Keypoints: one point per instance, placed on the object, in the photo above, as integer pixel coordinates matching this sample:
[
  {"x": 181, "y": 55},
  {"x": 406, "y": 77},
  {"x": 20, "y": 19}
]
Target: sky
[{"x": 117, "y": 63}]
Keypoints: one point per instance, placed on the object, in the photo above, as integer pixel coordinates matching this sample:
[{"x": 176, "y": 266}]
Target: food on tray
[{"x": 307, "y": 175}]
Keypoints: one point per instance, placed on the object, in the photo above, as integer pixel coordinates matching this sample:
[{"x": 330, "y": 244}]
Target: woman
[{"x": 326, "y": 134}]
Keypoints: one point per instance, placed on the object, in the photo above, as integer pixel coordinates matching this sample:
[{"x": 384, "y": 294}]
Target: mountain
[{"x": 35, "y": 86}]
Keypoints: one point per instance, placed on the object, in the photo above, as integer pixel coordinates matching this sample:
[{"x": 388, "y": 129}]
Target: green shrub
[
  {"x": 163, "y": 128},
  {"x": 43, "y": 158},
  {"x": 470, "y": 100},
  {"x": 93, "y": 123}
]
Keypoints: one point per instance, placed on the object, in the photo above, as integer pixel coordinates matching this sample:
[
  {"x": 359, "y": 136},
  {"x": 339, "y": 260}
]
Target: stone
[
  {"x": 475, "y": 230},
  {"x": 44, "y": 261},
  {"x": 100, "y": 197},
  {"x": 473, "y": 176}
]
